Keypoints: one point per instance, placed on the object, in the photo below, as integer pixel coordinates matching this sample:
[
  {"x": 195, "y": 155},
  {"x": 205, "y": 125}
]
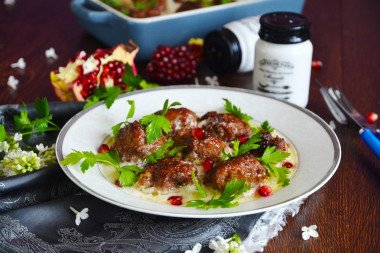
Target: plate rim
[{"x": 330, "y": 172}]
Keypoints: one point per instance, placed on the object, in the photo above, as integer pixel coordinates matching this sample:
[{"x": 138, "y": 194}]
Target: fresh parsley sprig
[
  {"x": 89, "y": 159},
  {"x": 160, "y": 153},
  {"x": 264, "y": 126},
  {"x": 109, "y": 94},
  {"x": 41, "y": 124},
  {"x": 233, "y": 190},
  {"x": 271, "y": 157},
  {"x": 201, "y": 191},
  {"x": 155, "y": 124},
  {"x": 233, "y": 109},
  {"x": 116, "y": 128},
  {"x": 239, "y": 150}
]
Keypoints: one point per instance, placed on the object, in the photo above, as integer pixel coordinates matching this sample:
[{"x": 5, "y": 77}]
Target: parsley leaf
[
  {"x": 239, "y": 150},
  {"x": 271, "y": 157},
  {"x": 264, "y": 126},
  {"x": 160, "y": 153},
  {"x": 116, "y": 128},
  {"x": 230, "y": 108},
  {"x": 89, "y": 159},
  {"x": 142, "y": 6},
  {"x": 201, "y": 191},
  {"x": 155, "y": 124},
  {"x": 232, "y": 191},
  {"x": 43, "y": 124}
]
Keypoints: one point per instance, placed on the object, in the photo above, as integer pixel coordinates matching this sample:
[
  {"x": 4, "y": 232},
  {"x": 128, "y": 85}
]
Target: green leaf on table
[
  {"x": 42, "y": 107},
  {"x": 3, "y": 133}
]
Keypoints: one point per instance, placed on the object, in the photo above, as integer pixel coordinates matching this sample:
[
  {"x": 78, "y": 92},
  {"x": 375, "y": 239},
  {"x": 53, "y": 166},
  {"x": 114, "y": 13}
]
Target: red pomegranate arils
[
  {"x": 288, "y": 165},
  {"x": 316, "y": 64},
  {"x": 175, "y": 200},
  {"x": 104, "y": 148},
  {"x": 265, "y": 191},
  {"x": 208, "y": 164},
  {"x": 243, "y": 138},
  {"x": 372, "y": 117},
  {"x": 117, "y": 183},
  {"x": 198, "y": 133}
]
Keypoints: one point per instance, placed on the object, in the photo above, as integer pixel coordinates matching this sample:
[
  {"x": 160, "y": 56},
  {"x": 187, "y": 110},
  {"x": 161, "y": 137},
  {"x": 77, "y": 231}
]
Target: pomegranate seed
[
  {"x": 372, "y": 117},
  {"x": 316, "y": 64},
  {"x": 265, "y": 191},
  {"x": 175, "y": 200},
  {"x": 243, "y": 138},
  {"x": 117, "y": 183},
  {"x": 208, "y": 164},
  {"x": 104, "y": 148},
  {"x": 288, "y": 165},
  {"x": 198, "y": 133}
]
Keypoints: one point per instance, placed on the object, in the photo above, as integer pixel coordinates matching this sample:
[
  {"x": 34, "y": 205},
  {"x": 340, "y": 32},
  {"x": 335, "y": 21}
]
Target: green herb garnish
[
  {"x": 160, "y": 153},
  {"x": 116, "y": 128},
  {"x": 264, "y": 126},
  {"x": 271, "y": 157},
  {"x": 155, "y": 124},
  {"x": 42, "y": 124},
  {"x": 201, "y": 191},
  {"x": 142, "y": 6},
  {"x": 233, "y": 109},
  {"x": 3, "y": 134},
  {"x": 239, "y": 150},
  {"x": 232, "y": 191},
  {"x": 89, "y": 159}
]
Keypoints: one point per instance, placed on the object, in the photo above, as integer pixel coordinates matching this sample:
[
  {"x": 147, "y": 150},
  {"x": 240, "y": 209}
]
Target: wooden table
[{"x": 346, "y": 38}]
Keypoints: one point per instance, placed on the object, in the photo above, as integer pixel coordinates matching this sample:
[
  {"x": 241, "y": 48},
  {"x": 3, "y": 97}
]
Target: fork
[{"x": 341, "y": 106}]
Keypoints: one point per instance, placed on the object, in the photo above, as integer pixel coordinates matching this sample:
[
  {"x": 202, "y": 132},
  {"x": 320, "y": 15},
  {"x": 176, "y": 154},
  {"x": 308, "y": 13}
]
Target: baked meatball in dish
[
  {"x": 268, "y": 140},
  {"x": 181, "y": 118},
  {"x": 228, "y": 127},
  {"x": 132, "y": 145},
  {"x": 237, "y": 168}
]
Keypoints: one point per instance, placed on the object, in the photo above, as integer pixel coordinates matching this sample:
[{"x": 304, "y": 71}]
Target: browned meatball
[
  {"x": 181, "y": 118},
  {"x": 267, "y": 140},
  {"x": 226, "y": 126},
  {"x": 131, "y": 143},
  {"x": 241, "y": 167},
  {"x": 210, "y": 146},
  {"x": 167, "y": 174}
]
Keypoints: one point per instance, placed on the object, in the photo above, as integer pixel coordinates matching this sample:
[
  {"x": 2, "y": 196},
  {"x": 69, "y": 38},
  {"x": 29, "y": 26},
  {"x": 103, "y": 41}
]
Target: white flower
[
  {"x": 309, "y": 231},
  {"x": 19, "y": 64},
  {"x": 12, "y": 82},
  {"x": 17, "y": 137},
  {"x": 9, "y": 2},
  {"x": 196, "y": 249},
  {"x": 82, "y": 215},
  {"x": 40, "y": 147},
  {"x": 213, "y": 81},
  {"x": 90, "y": 65},
  {"x": 50, "y": 53},
  {"x": 220, "y": 246},
  {"x": 4, "y": 146}
]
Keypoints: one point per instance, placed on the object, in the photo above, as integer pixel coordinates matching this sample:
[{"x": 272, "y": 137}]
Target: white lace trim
[{"x": 268, "y": 226}]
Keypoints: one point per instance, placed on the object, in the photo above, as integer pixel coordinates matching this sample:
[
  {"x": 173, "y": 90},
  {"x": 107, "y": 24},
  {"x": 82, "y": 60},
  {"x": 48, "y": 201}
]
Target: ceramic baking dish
[{"x": 112, "y": 27}]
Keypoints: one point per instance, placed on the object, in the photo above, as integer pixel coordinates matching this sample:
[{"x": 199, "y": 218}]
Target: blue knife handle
[{"x": 371, "y": 140}]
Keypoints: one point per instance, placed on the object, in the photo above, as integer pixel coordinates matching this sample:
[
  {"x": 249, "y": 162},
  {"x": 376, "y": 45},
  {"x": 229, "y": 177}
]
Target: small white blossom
[
  {"x": 213, "y": 81},
  {"x": 13, "y": 82},
  {"x": 4, "y": 146},
  {"x": 82, "y": 215},
  {"x": 9, "y": 2},
  {"x": 90, "y": 65},
  {"x": 19, "y": 64},
  {"x": 17, "y": 137},
  {"x": 196, "y": 249},
  {"x": 50, "y": 53},
  {"x": 309, "y": 231},
  {"x": 220, "y": 246},
  {"x": 40, "y": 147}
]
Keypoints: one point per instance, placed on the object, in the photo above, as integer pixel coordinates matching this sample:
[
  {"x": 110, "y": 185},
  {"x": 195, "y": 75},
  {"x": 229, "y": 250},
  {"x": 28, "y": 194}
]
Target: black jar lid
[
  {"x": 221, "y": 51},
  {"x": 284, "y": 27}
]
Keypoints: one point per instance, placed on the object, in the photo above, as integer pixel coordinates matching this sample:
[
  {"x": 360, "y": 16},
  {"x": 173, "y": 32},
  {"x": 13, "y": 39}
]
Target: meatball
[
  {"x": 241, "y": 167},
  {"x": 167, "y": 174},
  {"x": 226, "y": 126},
  {"x": 181, "y": 118},
  {"x": 267, "y": 140},
  {"x": 131, "y": 143},
  {"x": 210, "y": 146}
]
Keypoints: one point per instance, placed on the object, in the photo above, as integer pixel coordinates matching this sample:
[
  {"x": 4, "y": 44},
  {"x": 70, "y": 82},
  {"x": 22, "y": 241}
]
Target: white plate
[{"x": 318, "y": 147}]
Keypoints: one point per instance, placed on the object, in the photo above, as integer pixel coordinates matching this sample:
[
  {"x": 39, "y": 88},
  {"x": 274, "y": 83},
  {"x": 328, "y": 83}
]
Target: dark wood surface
[{"x": 346, "y": 38}]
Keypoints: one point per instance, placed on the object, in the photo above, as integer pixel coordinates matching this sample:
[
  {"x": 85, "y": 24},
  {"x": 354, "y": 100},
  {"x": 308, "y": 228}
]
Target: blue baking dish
[{"x": 112, "y": 27}]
